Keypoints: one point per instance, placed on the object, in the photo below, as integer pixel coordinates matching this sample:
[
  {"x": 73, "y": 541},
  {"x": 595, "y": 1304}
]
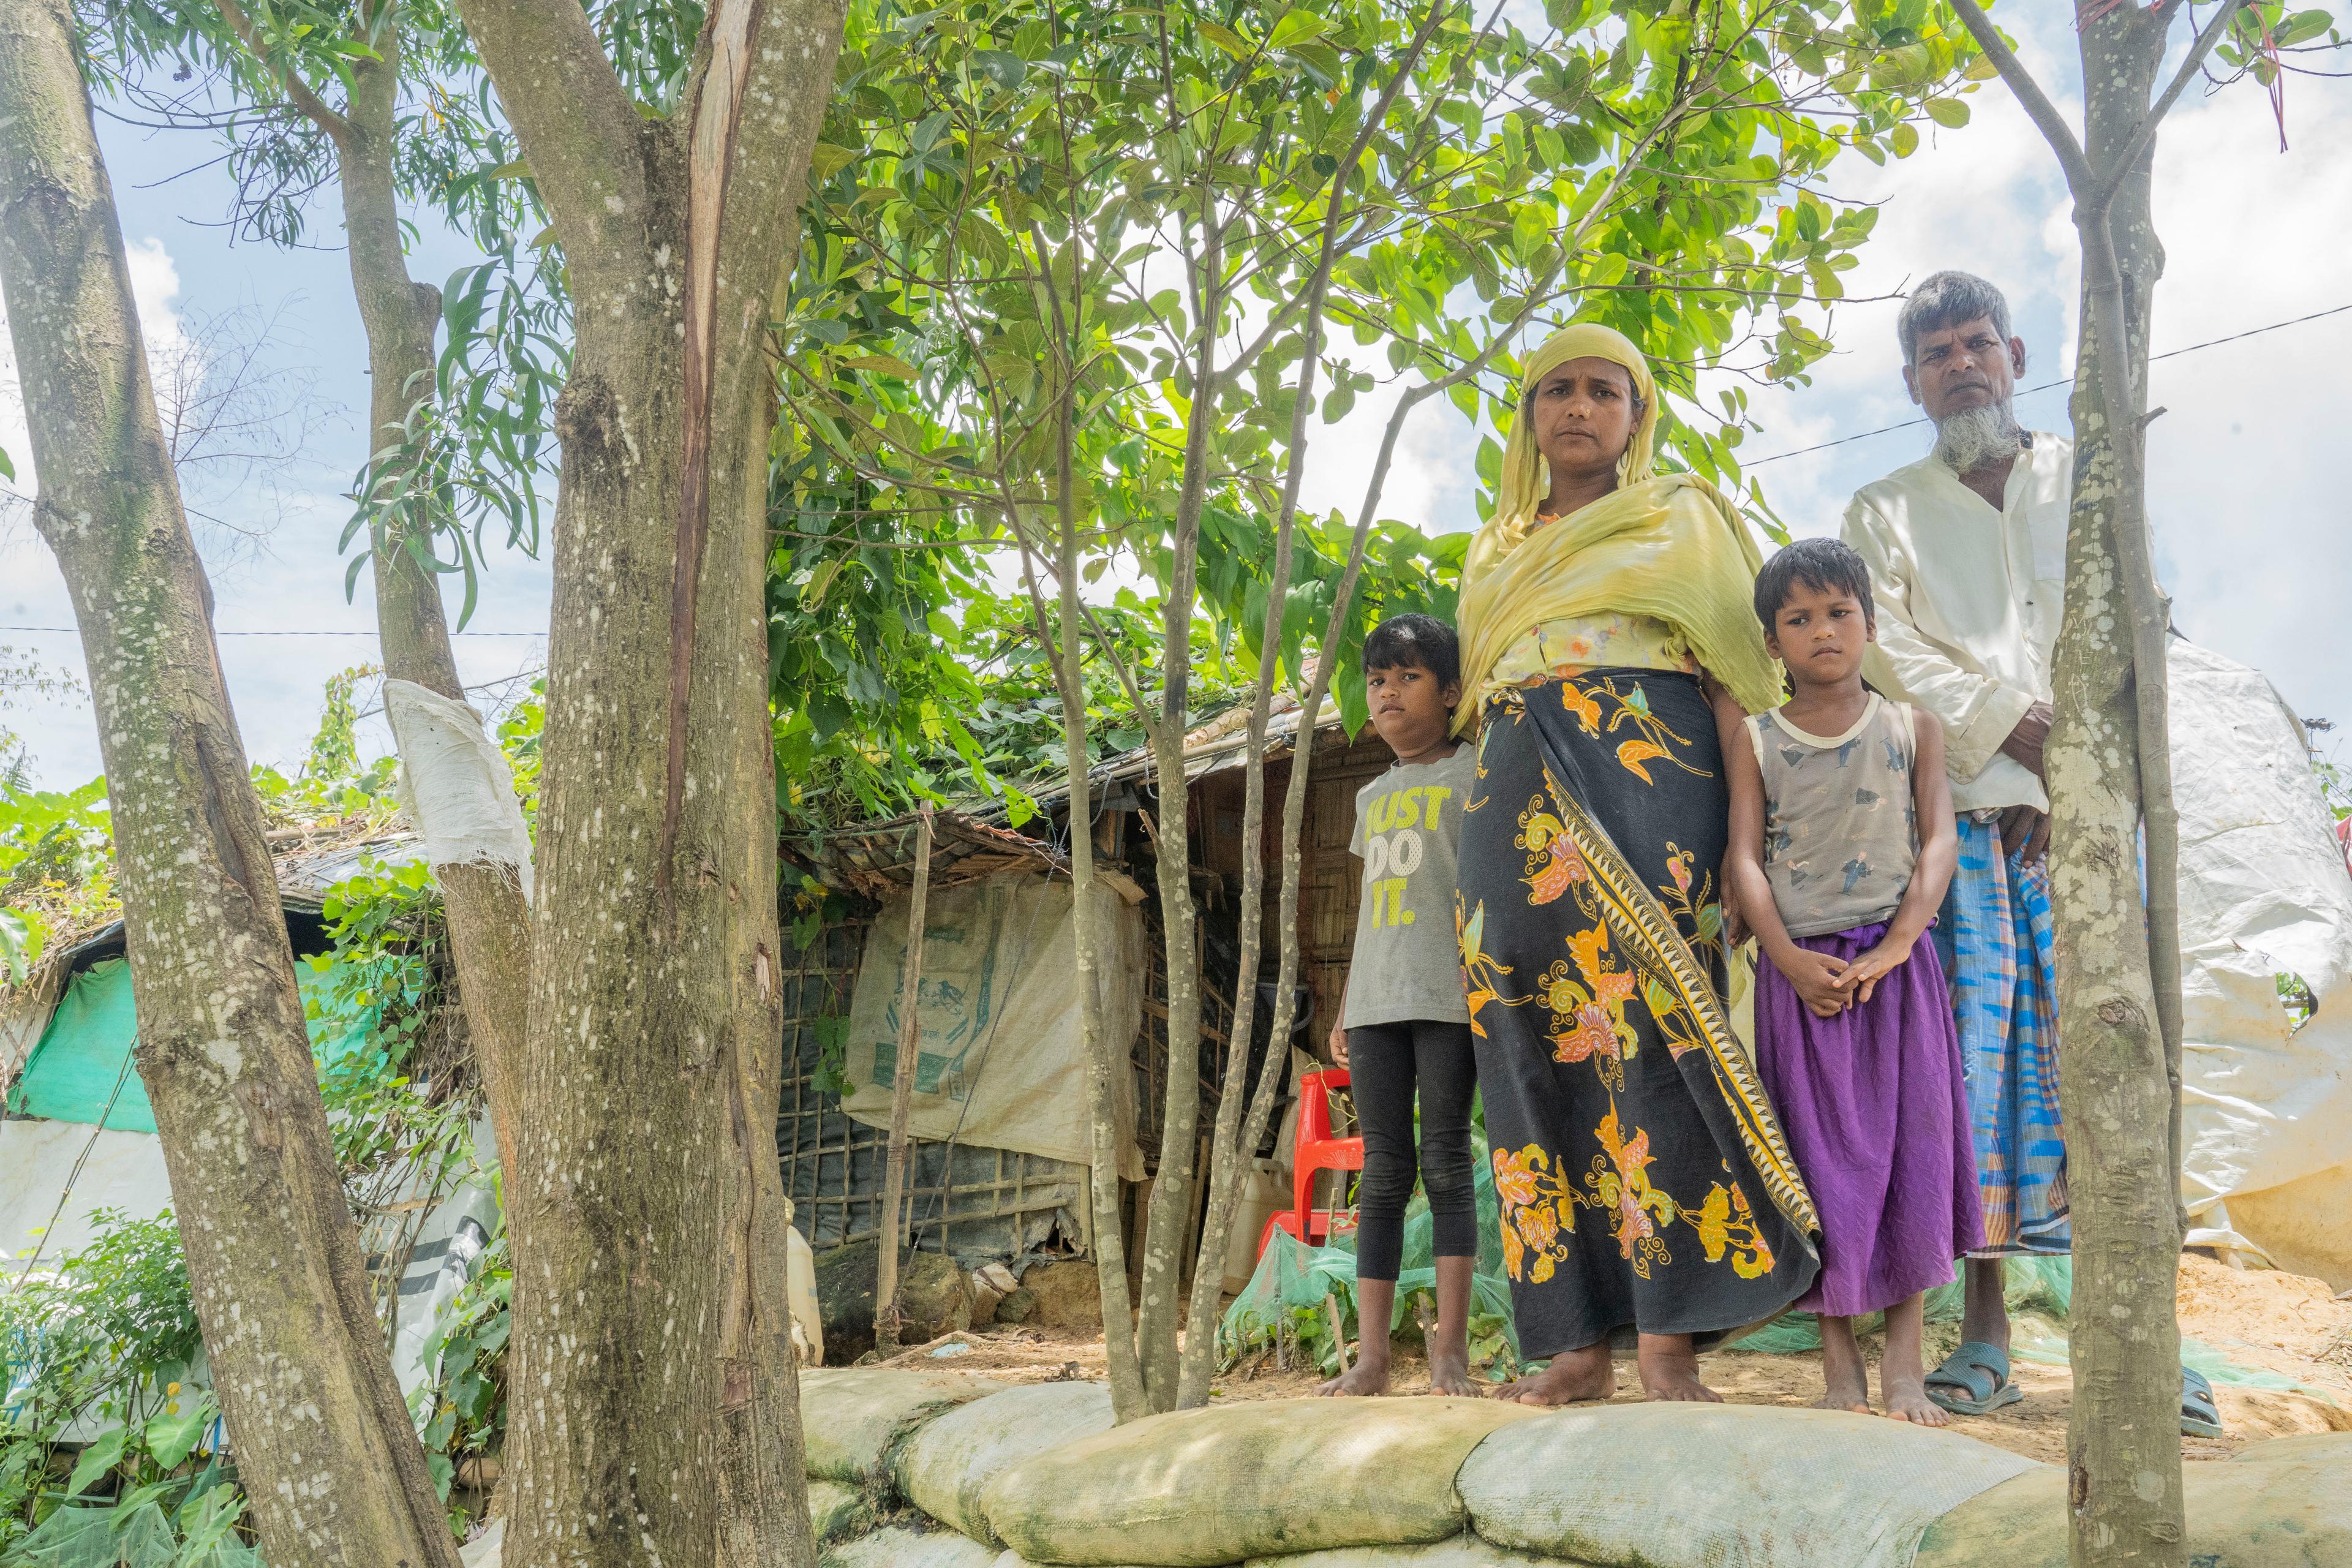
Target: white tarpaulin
[
  {"x": 2267, "y": 1106},
  {"x": 106, "y": 1170},
  {"x": 1001, "y": 1062}
]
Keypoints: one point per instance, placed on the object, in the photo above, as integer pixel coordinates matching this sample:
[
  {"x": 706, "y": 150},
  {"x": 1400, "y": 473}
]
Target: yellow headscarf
[{"x": 1670, "y": 547}]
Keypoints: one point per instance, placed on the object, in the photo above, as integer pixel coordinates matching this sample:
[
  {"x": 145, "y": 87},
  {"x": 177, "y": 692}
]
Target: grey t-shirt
[{"x": 1407, "y": 835}]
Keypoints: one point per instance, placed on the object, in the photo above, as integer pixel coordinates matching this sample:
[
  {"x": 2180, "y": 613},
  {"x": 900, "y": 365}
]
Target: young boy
[{"x": 1403, "y": 1020}]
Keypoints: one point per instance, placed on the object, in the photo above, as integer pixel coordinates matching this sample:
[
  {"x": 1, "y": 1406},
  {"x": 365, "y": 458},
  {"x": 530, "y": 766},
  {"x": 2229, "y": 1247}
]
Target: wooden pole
[{"x": 902, "y": 1093}]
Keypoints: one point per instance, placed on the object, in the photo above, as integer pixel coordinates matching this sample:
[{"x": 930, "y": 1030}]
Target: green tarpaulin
[{"x": 83, "y": 1063}]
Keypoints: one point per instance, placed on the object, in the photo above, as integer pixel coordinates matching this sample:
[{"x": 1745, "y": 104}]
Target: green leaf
[
  {"x": 1005, "y": 69},
  {"x": 7, "y": 468},
  {"x": 1296, "y": 29},
  {"x": 172, "y": 1439},
  {"x": 1905, "y": 138},
  {"x": 97, "y": 1459},
  {"x": 1225, "y": 39},
  {"x": 1947, "y": 112}
]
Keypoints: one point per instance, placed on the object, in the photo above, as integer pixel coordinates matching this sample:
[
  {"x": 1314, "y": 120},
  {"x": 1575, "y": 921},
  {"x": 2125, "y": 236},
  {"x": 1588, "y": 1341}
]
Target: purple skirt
[{"x": 1877, "y": 1117}]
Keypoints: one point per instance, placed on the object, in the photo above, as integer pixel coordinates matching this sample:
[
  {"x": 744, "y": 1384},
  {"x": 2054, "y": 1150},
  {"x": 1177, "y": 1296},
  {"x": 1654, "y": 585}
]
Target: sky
[{"x": 2252, "y": 521}]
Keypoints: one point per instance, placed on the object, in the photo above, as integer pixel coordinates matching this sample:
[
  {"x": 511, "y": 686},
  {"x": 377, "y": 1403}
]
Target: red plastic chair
[{"x": 1316, "y": 1149}]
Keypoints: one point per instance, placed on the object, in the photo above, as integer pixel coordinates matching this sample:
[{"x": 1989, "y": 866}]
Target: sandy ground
[{"x": 2275, "y": 1322}]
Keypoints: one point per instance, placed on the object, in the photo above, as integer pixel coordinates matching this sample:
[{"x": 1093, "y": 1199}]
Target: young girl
[
  {"x": 1841, "y": 846},
  {"x": 1404, "y": 1021}
]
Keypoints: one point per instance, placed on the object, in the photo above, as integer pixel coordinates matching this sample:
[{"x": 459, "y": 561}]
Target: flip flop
[
  {"x": 1974, "y": 1381},
  {"x": 2199, "y": 1415}
]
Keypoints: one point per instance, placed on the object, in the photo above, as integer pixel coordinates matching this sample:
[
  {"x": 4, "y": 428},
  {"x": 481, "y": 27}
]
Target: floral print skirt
[{"x": 1644, "y": 1180}]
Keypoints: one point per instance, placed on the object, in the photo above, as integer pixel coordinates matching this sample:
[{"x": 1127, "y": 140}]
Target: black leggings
[{"x": 1384, "y": 1060}]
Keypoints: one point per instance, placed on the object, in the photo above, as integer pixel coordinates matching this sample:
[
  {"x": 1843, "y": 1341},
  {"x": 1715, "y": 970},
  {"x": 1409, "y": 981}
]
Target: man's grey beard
[{"x": 1977, "y": 438}]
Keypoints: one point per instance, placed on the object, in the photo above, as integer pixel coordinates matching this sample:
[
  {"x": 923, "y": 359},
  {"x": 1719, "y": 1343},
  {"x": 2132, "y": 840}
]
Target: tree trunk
[
  {"x": 323, "y": 1439},
  {"x": 487, "y": 915},
  {"x": 651, "y": 1199},
  {"x": 2123, "y": 1443}
]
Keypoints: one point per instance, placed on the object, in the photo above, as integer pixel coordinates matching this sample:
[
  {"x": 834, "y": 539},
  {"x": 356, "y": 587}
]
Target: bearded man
[{"x": 1967, "y": 551}]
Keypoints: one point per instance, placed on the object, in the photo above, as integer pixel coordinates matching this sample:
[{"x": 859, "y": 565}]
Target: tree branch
[
  {"x": 298, "y": 92},
  {"x": 2029, "y": 96},
  {"x": 2137, "y": 148}
]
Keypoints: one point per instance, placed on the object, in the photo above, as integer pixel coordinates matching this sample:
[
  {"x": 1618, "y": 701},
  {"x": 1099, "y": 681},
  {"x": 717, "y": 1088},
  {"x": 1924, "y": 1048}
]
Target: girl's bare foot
[
  {"x": 1842, "y": 1369},
  {"x": 1449, "y": 1370},
  {"x": 1572, "y": 1378},
  {"x": 1368, "y": 1379},
  {"x": 1902, "y": 1377},
  {"x": 1669, "y": 1368}
]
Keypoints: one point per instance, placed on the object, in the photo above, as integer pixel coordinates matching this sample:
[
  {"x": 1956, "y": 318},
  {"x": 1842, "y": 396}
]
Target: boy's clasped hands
[{"x": 1829, "y": 984}]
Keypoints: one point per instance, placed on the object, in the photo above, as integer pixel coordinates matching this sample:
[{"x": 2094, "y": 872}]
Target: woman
[{"x": 1607, "y": 629}]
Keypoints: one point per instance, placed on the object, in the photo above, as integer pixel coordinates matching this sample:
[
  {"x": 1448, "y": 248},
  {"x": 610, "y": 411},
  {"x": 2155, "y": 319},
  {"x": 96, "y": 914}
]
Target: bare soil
[{"x": 2262, "y": 1320}]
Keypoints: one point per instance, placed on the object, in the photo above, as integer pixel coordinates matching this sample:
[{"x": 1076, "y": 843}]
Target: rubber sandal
[
  {"x": 2199, "y": 1415},
  {"x": 1974, "y": 1381}
]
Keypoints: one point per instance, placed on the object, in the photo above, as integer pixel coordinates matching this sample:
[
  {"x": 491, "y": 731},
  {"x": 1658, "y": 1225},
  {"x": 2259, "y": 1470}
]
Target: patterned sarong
[
  {"x": 1996, "y": 942},
  {"x": 1642, "y": 1177}
]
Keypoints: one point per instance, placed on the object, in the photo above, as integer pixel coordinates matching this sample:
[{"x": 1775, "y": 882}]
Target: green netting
[
  {"x": 83, "y": 1062},
  {"x": 2040, "y": 1292},
  {"x": 1292, "y": 1278}
]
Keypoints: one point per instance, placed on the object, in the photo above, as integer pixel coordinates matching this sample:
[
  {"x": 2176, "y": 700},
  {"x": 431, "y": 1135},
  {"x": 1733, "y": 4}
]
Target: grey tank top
[{"x": 1841, "y": 825}]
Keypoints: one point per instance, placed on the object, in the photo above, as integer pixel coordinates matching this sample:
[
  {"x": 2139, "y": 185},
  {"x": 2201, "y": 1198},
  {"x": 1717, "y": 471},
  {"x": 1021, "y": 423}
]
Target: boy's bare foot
[
  {"x": 1449, "y": 1370},
  {"x": 1669, "y": 1368},
  {"x": 1902, "y": 1376},
  {"x": 1572, "y": 1378},
  {"x": 1368, "y": 1379},
  {"x": 1913, "y": 1405}
]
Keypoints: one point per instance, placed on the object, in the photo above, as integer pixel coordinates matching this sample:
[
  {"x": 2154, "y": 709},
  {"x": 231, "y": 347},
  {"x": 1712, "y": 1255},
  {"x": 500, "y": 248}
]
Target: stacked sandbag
[
  {"x": 1204, "y": 1489},
  {"x": 1671, "y": 1484},
  {"x": 1462, "y": 1552},
  {"x": 2287, "y": 1503},
  {"x": 854, "y": 1418},
  {"x": 943, "y": 1468},
  {"x": 895, "y": 1546},
  {"x": 836, "y": 1511}
]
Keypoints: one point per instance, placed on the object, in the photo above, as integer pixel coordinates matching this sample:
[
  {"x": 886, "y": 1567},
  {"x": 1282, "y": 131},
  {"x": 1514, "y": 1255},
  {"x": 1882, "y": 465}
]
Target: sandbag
[
  {"x": 1014, "y": 1560},
  {"x": 1722, "y": 1486},
  {"x": 2332, "y": 1448},
  {"x": 2281, "y": 1513},
  {"x": 1462, "y": 1552},
  {"x": 944, "y": 1465},
  {"x": 835, "y": 1510},
  {"x": 854, "y": 1416},
  {"x": 1199, "y": 1488},
  {"x": 898, "y": 1547}
]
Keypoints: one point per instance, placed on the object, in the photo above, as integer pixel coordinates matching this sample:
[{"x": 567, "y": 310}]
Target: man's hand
[
  {"x": 1339, "y": 1047},
  {"x": 2024, "y": 829},
  {"x": 1815, "y": 975},
  {"x": 2025, "y": 742}
]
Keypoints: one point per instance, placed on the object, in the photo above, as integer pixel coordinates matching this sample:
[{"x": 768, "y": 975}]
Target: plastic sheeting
[
  {"x": 2267, "y": 1106},
  {"x": 455, "y": 783},
  {"x": 1001, "y": 1061},
  {"x": 120, "y": 1171}
]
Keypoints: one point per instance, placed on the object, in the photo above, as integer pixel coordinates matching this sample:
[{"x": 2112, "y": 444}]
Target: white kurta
[{"x": 1969, "y": 601}]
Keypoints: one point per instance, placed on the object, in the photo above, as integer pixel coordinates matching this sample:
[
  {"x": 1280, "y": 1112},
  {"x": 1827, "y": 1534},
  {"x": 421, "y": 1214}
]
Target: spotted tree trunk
[{"x": 323, "y": 1440}]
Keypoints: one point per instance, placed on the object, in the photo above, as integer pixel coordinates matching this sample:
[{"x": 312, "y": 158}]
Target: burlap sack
[
  {"x": 835, "y": 1510},
  {"x": 854, "y": 1416},
  {"x": 943, "y": 1467},
  {"x": 1462, "y": 1552},
  {"x": 1723, "y": 1486},
  {"x": 1201, "y": 1488},
  {"x": 2289, "y": 1509},
  {"x": 897, "y": 1547}
]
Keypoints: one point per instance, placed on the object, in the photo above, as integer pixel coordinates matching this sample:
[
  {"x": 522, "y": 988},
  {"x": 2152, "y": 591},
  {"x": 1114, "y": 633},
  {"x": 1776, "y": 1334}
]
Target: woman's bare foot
[
  {"x": 1449, "y": 1370},
  {"x": 1842, "y": 1369},
  {"x": 1368, "y": 1379},
  {"x": 1572, "y": 1378},
  {"x": 1906, "y": 1400},
  {"x": 1669, "y": 1368}
]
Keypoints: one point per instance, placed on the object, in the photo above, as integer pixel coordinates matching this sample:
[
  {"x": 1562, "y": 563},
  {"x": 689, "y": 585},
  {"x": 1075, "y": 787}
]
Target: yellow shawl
[{"x": 1667, "y": 546}]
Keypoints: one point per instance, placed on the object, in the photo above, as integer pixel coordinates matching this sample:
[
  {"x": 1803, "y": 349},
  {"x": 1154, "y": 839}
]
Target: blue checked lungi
[{"x": 1996, "y": 942}]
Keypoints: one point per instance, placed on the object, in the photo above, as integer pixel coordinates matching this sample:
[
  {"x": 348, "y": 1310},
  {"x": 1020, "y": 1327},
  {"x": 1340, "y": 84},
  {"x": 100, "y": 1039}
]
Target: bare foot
[
  {"x": 1368, "y": 1379},
  {"x": 1669, "y": 1369},
  {"x": 1572, "y": 1378},
  {"x": 1902, "y": 1378},
  {"x": 1449, "y": 1370},
  {"x": 1844, "y": 1370},
  {"x": 1906, "y": 1400}
]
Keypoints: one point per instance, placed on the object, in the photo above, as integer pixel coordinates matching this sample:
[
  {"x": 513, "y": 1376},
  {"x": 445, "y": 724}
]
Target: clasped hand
[{"x": 1828, "y": 986}]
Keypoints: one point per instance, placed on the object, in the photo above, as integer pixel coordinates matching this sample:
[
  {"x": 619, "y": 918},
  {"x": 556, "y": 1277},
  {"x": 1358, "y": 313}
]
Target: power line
[
  {"x": 72, "y": 631},
  {"x": 2045, "y": 386}
]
